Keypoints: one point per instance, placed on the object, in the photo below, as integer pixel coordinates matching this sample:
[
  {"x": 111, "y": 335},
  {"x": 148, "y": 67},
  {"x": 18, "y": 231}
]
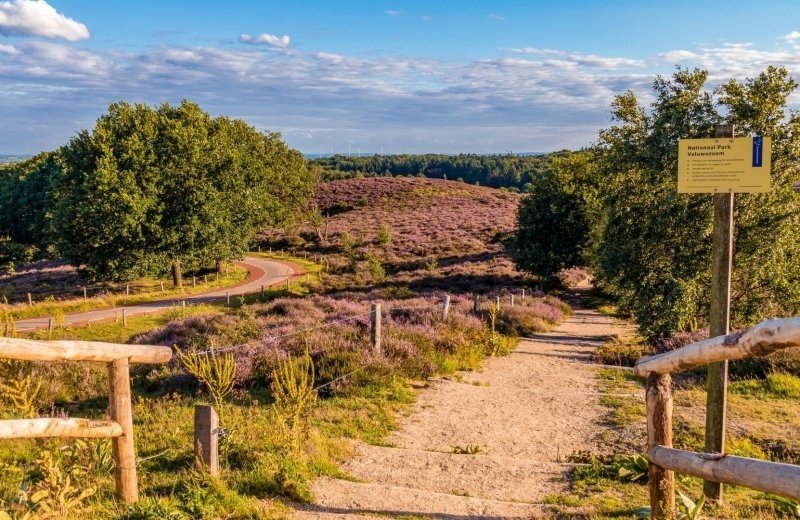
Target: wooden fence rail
[
  {"x": 119, "y": 428},
  {"x": 772, "y": 477}
]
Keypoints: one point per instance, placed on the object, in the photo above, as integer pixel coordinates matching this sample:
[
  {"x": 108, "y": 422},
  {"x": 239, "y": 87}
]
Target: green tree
[
  {"x": 552, "y": 223},
  {"x": 651, "y": 247},
  {"x": 150, "y": 188}
]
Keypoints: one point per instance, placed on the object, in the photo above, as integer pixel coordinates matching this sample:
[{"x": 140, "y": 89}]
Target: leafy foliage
[
  {"x": 149, "y": 187},
  {"x": 552, "y": 224}
]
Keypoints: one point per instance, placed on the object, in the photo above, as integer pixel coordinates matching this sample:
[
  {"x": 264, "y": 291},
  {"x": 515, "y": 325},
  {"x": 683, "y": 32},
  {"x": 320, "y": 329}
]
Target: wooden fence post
[
  {"x": 445, "y": 307},
  {"x": 475, "y": 303},
  {"x": 523, "y": 294},
  {"x": 289, "y": 284},
  {"x": 194, "y": 282},
  {"x": 120, "y": 411},
  {"x": 375, "y": 332},
  {"x": 228, "y": 299},
  {"x": 162, "y": 286},
  {"x": 498, "y": 303},
  {"x": 262, "y": 293},
  {"x": 205, "y": 279},
  {"x": 30, "y": 300},
  {"x": 85, "y": 296},
  {"x": 124, "y": 319},
  {"x": 512, "y": 299},
  {"x": 659, "y": 433},
  {"x": 206, "y": 438},
  {"x": 49, "y": 324}
]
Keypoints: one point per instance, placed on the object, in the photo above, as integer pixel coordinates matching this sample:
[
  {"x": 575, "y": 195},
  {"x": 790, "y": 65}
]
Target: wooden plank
[
  {"x": 120, "y": 410},
  {"x": 445, "y": 307},
  {"x": 35, "y": 350},
  {"x": 50, "y": 427},
  {"x": 763, "y": 339},
  {"x": 769, "y": 477},
  {"x": 206, "y": 438},
  {"x": 659, "y": 433}
]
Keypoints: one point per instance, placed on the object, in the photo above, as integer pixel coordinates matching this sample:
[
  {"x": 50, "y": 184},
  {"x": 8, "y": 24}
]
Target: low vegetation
[{"x": 292, "y": 376}]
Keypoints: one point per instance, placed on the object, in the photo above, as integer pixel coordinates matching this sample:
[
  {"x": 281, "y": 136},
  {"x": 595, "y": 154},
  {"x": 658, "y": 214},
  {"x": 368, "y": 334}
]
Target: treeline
[
  {"x": 150, "y": 190},
  {"x": 496, "y": 171},
  {"x": 616, "y": 207}
]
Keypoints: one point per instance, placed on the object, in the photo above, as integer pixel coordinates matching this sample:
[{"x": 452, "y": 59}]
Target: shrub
[{"x": 384, "y": 236}]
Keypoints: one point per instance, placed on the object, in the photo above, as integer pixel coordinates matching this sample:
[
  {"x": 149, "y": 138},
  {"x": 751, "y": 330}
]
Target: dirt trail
[{"x": 527, "y": 411}]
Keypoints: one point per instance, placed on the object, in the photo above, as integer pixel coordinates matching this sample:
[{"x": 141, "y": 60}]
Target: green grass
[
  {"x": 758, "y": 409},
  {"x": 152, "y": 292},
  {"x": 112, "y": 331},
  {"x": 774, "y": 386}
]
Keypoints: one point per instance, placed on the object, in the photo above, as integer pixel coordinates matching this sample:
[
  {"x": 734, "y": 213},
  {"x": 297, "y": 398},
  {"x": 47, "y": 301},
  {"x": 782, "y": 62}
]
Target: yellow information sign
[{"x": 722, "y": 165}]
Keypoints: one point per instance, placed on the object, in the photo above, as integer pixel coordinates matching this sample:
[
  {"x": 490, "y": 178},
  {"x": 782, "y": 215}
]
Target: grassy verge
[
  {"x": 759, "y": 412},
  {"x": 151, "y": 292}
]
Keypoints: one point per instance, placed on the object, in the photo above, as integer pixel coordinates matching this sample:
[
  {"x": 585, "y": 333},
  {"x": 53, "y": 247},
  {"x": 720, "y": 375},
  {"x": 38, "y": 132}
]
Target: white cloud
[
  {"x": 392, "y": 12},
  {"x": 266, "y": 39},
  {"x": 792, "y": 36},
  {"x": 495, "y": 16},
  {"x": 676, "y": 56},
  {"x": 38, "y": 18},
  {"x": 526, "y": 99}
]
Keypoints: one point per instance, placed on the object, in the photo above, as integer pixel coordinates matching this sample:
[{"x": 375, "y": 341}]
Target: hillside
[{"x": 441, "y": 234}]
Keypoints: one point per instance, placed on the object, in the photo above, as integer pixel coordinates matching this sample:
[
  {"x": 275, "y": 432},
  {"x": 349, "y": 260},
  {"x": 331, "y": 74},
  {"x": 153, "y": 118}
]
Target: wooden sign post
[{"x": 722, "y": 166}]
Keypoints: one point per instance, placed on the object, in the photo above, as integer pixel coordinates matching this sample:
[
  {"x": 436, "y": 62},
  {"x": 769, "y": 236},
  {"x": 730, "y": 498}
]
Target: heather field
[
  {"x": 295, "y": 375},
  {"x": 426, "y": 234}
]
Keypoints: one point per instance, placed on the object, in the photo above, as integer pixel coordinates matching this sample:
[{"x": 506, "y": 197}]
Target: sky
[{"x": 375, "y": 76}]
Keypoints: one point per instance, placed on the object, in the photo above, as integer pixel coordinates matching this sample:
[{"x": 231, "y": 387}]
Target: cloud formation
[
  {"x": 392, "y": 12},
  {"x": 38, "y": 18},
  {"x": 525, "y": 99},
  {"x": 266, "y": 39}
]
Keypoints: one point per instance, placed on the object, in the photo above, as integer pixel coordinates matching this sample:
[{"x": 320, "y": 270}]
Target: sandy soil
[{"x": 527, "y": 411}]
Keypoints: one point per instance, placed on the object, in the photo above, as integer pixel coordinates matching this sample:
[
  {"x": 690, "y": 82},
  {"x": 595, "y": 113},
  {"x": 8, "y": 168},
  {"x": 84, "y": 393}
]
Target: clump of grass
[
  {"x": 469, "y": 449},
  {"x": 623, "y": 353},
  {"x": 775, "y": 386}
]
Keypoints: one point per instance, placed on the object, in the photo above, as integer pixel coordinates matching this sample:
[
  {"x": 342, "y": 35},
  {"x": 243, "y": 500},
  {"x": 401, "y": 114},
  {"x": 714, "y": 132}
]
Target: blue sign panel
[{"x": 758, "y": 151}]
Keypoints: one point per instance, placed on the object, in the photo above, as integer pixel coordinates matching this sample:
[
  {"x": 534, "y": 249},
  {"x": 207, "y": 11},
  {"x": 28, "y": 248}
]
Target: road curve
[{"x": 261, "y": 272}]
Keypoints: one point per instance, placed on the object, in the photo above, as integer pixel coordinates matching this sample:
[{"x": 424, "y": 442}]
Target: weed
[
  {"x": 59, "y": 491},
  {"x": 8, "y": 326},
  {"x": 21, "y": 394},
  {"x": 469, "y": 449},
  {"x": 688, "y": 509},
  {"x": 294, "y": 394},
  {"x": 218, "y": 372}
]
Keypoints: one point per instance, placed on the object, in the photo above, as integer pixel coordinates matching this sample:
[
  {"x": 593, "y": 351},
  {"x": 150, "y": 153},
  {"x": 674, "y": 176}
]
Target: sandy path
[
  {"x": 260, "y": 272},
  {"x": 527, "y": 411}
]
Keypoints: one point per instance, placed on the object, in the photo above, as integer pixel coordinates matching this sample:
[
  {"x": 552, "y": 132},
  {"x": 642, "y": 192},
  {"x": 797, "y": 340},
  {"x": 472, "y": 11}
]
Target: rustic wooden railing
[
  {"x": 771, "y": 477},
  {"x": 119, "y": 428}
]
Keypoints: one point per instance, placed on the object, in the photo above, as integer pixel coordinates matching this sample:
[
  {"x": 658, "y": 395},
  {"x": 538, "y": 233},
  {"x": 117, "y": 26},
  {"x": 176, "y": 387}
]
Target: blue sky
[{"x": 413, "y": 76}]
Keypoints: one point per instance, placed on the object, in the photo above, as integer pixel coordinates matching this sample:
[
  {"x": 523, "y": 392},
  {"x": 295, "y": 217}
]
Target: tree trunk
[{"x": 177, "y": 277}]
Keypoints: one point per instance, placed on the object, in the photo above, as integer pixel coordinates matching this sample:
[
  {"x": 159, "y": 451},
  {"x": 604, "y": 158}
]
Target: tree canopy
[
  {"x": 154, "y": 187},
  {"x": 650, "y": 246}
]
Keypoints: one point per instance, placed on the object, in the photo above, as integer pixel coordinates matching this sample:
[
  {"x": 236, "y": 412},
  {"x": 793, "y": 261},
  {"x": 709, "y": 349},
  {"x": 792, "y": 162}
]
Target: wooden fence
[
  {"x": 119, "y": 428},
  {"x": 772, "y": 477}
]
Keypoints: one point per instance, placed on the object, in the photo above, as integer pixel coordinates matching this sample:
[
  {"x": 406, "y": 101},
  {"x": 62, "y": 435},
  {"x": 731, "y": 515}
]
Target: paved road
[{"x": 261, "y": 272}]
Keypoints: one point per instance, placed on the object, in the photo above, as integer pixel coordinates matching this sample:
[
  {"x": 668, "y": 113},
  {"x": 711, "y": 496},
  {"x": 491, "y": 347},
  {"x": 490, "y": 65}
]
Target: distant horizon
[{"x": 353, "y": 155}]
